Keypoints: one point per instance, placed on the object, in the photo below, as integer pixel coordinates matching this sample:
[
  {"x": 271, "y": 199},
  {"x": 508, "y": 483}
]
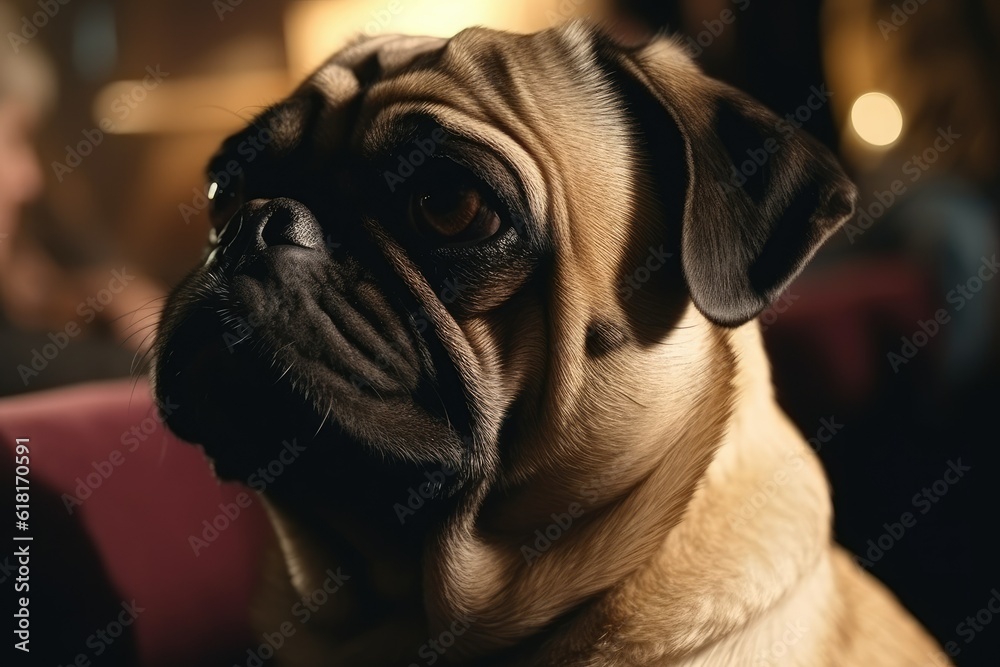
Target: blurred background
[{"x": 884, "y": 351}]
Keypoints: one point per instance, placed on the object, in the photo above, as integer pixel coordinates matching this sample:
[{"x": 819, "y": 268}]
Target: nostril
[{"x": 290, "y": 223}]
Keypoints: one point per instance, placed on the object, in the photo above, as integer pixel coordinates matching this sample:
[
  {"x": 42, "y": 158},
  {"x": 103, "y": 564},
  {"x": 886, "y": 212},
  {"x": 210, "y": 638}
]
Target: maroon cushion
[
  {"x": 839, "y": 321},
  {"x": 116, "y": 502}
]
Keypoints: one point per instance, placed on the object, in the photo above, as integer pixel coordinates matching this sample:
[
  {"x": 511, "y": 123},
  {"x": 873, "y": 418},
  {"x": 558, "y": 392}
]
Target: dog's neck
[
  {"x": 712, "y": 565},
  {"x": 750, "y": 556},
  {"x": 698, "y": 570}
]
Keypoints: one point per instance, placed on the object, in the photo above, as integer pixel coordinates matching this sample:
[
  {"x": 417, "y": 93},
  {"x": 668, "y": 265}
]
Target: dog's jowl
[{"x": 499, "y": 296}]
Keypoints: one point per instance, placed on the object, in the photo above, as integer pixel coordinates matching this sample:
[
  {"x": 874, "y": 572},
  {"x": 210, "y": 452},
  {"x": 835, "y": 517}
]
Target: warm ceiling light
[
  {"x": 877, "y": 119},
  {"x": 220, "y": 103},
  {"x": 316, "y": 28}
]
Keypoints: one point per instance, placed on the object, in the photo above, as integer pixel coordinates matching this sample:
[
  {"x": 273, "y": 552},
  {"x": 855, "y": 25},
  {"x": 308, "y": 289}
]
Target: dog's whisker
[
  {"x": 148, "y": 305},
  {"x": 323, "y": 422},
  {"x": 138, "y": 368},
  {"x": 154, "y": 316},
  {"x": 241, "y": 340},
  {"x": 140, "y": 330},
  {"x": 249, "y": 120}
]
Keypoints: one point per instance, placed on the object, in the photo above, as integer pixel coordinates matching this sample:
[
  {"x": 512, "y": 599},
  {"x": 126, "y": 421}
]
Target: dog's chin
[{"x": 292, "y": 347}]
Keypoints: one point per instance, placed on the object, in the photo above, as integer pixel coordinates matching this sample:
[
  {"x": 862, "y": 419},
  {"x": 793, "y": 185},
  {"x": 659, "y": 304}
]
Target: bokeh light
[{"x": 877, "y": 119}]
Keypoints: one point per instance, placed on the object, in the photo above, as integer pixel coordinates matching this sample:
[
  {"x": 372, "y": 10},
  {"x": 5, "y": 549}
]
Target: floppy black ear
[{"x": 761, "y": 196}]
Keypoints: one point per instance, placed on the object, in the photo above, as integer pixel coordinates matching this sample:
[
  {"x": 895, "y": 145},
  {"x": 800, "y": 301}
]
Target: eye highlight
[{"x": 223, "y": 202}]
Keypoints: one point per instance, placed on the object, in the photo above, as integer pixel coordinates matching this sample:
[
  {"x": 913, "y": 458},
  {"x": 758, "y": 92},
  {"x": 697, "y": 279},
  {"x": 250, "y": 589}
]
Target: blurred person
[
  {"x": 27, "y": 90},
  {"x": 41, "y": 296},
  {"x": 941, "y": 63}
]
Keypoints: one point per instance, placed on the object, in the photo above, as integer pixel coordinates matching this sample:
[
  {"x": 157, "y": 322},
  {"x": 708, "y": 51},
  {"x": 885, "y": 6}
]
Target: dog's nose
[{"x": 264, "y": 223}]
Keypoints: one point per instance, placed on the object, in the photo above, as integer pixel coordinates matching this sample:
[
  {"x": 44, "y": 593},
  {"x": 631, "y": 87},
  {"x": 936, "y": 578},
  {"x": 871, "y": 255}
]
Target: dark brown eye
[
  {"x": 452, "y": 213},
  {"x": 224, "y": 200}
]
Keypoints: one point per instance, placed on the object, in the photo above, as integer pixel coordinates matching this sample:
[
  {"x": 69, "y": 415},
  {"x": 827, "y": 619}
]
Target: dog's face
[{"x": 512, "y": 258}]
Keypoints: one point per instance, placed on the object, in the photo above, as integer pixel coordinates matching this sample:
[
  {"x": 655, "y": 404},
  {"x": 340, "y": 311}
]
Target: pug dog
[{"x": 479, "y": 323}]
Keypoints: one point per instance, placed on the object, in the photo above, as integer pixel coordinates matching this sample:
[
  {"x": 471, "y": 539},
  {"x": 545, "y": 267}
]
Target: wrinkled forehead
[
  {"x": 336, "y": 85},
  {"x": 478, "y": 79},
  {"x": 384, "y": 56},
  {"x": 482, "y": 87},
  {"x": 522, "y": 111}
]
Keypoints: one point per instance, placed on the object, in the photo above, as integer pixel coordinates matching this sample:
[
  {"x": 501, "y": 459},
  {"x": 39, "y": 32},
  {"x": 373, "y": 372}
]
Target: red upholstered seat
[{"x": 115, "y": 500}]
